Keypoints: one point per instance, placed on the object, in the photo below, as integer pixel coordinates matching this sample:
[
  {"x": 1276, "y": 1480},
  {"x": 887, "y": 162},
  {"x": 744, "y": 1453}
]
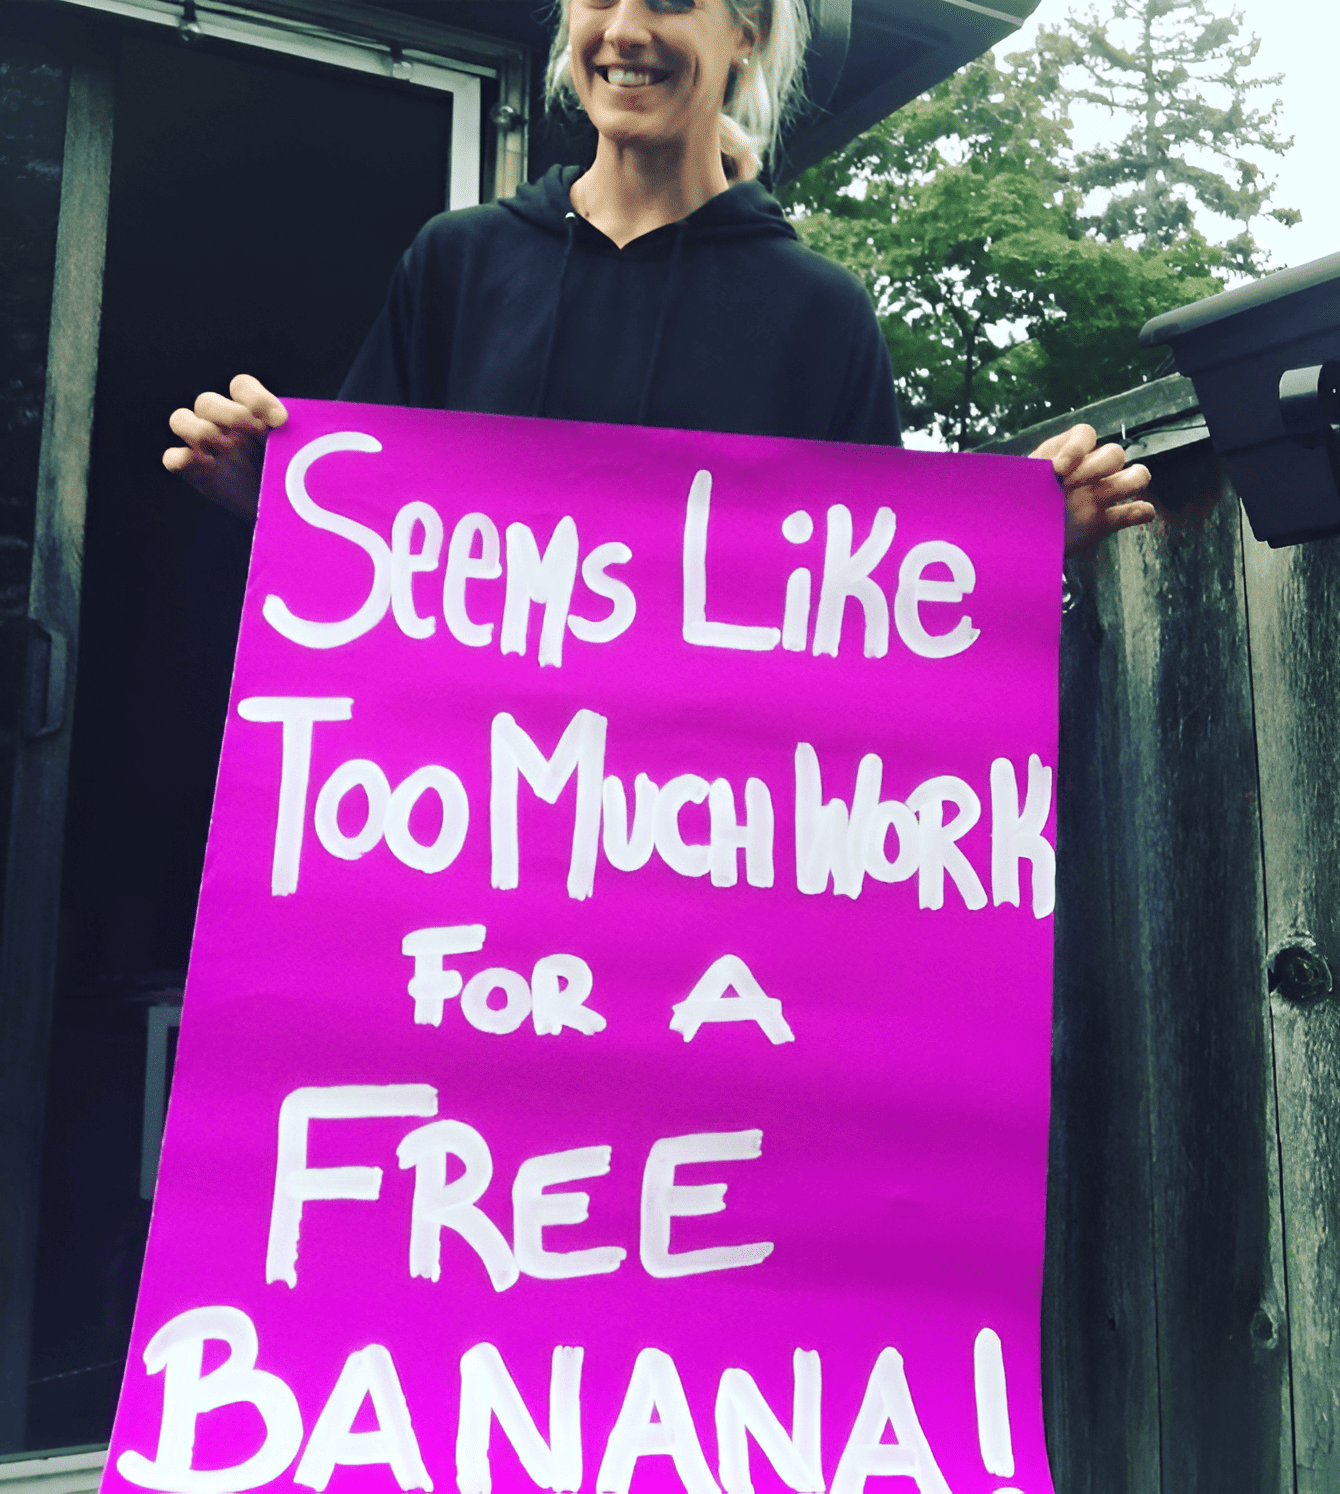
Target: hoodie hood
[
  {"x": 721, "y": 321},
  {"x": 744, "y": 211}
]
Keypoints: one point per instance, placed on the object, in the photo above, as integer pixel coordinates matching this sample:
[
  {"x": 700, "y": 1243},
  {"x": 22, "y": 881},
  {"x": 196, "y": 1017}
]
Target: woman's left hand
[{"x": 1101, "y": 491}]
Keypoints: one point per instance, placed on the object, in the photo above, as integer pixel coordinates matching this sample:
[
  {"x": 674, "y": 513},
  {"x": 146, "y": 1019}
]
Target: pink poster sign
[{"x": 616, "y": 1048}]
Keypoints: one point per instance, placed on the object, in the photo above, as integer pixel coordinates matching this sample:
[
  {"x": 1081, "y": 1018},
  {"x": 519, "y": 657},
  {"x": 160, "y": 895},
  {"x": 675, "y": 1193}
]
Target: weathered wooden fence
[{"x": 1192, "y": 1314}]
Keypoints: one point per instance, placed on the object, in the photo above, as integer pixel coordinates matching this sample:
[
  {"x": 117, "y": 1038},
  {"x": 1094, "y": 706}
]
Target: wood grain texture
[
  {"x": 1167, "y": 1335},
  {"x": 33, "y": 879},
  {"x": 32, "y": 143},
  {"x": 1152, "y": 404},
  {"x": 1295, "y": 636},
  {"x": 1190, "y": 790},
  {"x": 1100, "y": 1341}
]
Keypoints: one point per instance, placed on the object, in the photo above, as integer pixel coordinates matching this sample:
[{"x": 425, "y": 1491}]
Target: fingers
[
  {"x": 217, "y": 422},
  {"x": 202, "y": 469},
  {"x": 1109, "y": 521},
  {"x": 1075, "y": 459},
  {"x": 1095, "y": 510},
  {"x": 1100, "y": 490},
  {"x": 191, "y": 462},
  {"x": 1068, "y": 449},
  {"x": 225, "y": 442},
  {"x": 1121, "y": 482},
  {"x": 200, "y": 433},
  {"x": 257, "y": 399},
  {"x": 179, "y": 458},
  {"x": 228, "y": 414},
  {"x": 197, "y": 464},
  {"x": 1128, "y": 515},
  {"x": 1098, "y": 465}
]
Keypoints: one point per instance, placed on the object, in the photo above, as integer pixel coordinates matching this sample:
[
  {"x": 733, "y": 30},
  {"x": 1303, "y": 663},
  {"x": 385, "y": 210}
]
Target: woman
[{"x": 647, "y": 289}]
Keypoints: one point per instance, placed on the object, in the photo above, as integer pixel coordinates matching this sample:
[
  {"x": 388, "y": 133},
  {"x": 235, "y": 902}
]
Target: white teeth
[{"x": 624, "y": 78}]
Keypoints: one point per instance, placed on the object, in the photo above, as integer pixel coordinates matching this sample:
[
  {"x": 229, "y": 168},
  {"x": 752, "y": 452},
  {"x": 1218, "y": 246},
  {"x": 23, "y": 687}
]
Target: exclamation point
[{"x": 993, "y": 1407}]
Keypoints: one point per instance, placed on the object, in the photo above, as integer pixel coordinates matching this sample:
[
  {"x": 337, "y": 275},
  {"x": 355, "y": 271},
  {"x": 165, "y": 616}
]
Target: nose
[{"x": 627, "y": 24}]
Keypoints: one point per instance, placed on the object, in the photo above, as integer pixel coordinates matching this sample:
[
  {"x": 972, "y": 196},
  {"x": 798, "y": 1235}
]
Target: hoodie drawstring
[
  {"x": 645, "y": 400},
  {"x": 547, "y": 362},
  {"x": 653, "y": 361}
]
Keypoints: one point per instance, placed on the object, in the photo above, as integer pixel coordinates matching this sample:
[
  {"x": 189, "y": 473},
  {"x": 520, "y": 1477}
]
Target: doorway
[{"x": 258, "y": 206}]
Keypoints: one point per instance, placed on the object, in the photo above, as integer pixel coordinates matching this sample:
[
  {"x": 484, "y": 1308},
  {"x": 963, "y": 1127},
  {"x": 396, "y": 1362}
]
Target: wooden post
[
  {"x": 1193, "y": 948},
  {"x": 33, "y": 876},
  {"x": 1168, "y": 1332},
  {"x": 1100, "y": 1335},
  {"x": 1166, "y": 1315},
  {"x": 1295, "y": 638}
]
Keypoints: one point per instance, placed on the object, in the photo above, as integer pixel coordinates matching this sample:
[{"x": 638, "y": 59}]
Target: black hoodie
[{"x": 722, "y": 321}]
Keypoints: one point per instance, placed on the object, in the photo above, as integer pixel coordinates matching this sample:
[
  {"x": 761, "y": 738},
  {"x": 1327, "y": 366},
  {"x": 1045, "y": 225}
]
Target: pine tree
[{"x": 1179, "y": 73}]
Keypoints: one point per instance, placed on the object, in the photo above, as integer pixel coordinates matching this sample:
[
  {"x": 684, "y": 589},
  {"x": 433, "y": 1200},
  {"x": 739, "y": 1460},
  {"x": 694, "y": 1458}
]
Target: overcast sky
[{"x": 1301, "y": 39}]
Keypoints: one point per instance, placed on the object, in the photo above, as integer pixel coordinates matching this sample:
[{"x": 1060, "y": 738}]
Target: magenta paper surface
[{"x": 616, "y": 1049}]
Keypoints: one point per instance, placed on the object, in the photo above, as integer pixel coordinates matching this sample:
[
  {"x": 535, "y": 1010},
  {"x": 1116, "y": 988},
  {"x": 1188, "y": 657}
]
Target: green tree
[
  {"x": 1181, "y": 76},
  {"x": 959, "y": 215}
]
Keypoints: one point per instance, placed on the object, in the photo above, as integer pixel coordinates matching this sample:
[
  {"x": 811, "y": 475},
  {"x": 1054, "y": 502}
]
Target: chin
[
  {"x": 622, "y": 127},
  {"x": 623, "y": 132}
]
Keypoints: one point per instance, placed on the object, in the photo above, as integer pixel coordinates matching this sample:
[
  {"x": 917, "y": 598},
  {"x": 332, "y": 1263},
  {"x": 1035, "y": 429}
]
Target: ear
[{"x": 756, "y": 22}]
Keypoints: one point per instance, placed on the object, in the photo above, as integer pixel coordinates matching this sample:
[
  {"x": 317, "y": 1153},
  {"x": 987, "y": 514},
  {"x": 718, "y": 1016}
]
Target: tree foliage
[
  {"x": 959, "y": 214},
  {"x": 1180, "y": 76}
]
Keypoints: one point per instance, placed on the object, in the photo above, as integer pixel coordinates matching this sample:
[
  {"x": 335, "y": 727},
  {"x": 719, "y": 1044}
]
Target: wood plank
[
  {"x": 1165, "y": 1317},
  {"x": 33, "y": 879},
  {"x": 1152, "y": 404},
  {"x": 1295, "y": 638},
  {"x": 1100, "y": 1343},
  {"x": 1197, "y": 962}
]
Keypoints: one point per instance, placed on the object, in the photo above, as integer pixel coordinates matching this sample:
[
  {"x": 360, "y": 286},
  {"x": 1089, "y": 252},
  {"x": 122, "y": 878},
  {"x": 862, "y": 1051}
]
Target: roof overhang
[
  {"x": 897, "y": 50},
  {"x": 868, "y": 58}
]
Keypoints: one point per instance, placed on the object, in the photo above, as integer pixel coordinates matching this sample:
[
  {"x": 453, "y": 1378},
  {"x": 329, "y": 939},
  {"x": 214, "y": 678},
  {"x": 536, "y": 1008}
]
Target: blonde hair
[{"x": 760, "y": 97}]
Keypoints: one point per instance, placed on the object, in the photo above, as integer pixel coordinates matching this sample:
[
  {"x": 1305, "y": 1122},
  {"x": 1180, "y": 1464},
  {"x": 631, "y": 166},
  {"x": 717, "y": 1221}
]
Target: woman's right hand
[{"x": 225, "y": 443}]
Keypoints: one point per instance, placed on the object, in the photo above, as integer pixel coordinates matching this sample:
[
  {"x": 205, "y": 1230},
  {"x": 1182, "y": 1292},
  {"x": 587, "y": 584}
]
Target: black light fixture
[{"x": 1265, "y": 360}]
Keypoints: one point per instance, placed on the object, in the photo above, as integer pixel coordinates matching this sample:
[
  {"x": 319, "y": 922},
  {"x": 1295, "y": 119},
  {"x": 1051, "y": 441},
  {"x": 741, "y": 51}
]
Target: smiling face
[{"x": 653, "y": 73}]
